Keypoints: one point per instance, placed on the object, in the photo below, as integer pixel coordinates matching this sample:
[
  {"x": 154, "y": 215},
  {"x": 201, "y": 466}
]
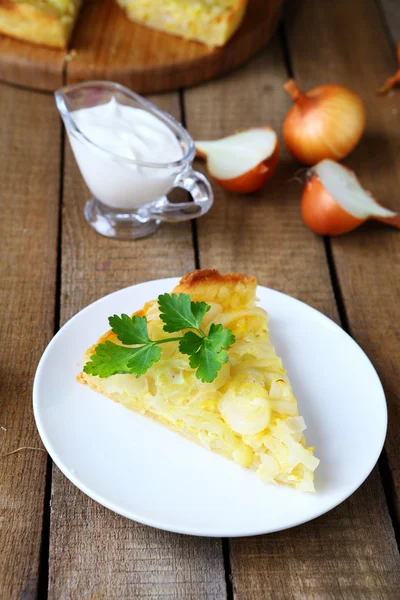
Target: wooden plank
[
  {"x": 344, "y": 554},
  {"x": 93, "y": 552},
  {"x": 367, "y": 260},
  {"x": 29, "y": 180}
]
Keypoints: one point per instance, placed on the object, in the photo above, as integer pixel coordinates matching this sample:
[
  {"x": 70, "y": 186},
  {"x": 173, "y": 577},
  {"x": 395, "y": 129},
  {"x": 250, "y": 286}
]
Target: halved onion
[
  {"x": 334, "y": 202},
  {"x": 243, "y": 162}
]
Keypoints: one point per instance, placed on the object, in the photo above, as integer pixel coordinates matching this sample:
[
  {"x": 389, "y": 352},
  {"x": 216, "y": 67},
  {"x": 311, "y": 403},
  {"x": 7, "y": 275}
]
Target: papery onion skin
[
  {"x": 254, "y": 179},
  {"x": 326, "y": 122},
  {"x": 322, "y": 214},
  {"x": 392, "y": 221},
  {"x": 393, "y": 80}
]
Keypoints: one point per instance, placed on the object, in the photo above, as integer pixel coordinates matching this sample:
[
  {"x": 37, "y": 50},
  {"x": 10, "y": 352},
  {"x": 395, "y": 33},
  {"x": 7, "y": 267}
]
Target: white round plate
[{"x": 145, "y": 472}]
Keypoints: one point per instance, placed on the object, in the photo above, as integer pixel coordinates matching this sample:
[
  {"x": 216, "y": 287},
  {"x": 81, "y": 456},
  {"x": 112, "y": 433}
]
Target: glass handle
[{"x": 198, "y": 187}]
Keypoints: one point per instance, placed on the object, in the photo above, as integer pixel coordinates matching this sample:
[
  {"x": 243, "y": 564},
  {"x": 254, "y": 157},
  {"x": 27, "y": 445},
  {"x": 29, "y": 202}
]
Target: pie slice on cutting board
[
  {"x": 43, "y": 22},
  {"x": 212, "y": 22}
]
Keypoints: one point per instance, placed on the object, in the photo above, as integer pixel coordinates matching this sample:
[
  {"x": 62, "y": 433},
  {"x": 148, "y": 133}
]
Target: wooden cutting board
[{"x": 106, "y": 45}]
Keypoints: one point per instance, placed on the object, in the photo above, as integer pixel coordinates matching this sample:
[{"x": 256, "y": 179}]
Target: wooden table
[{"x": 54, "y": 541}]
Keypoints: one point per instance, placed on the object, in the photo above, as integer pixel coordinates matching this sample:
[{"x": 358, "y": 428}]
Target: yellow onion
[{"x": 326, "y": 122}]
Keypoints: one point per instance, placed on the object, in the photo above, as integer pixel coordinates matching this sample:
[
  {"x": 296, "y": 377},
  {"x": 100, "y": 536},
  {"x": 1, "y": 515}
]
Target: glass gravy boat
[{"x": 129, "y": 196}]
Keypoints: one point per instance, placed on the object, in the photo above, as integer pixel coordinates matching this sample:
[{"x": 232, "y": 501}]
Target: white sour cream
[{"x": 123, "y": 132}]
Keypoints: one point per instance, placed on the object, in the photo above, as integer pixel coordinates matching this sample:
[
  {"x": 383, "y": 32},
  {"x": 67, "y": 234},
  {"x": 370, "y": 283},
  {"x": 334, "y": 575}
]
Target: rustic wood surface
[
  {"x": 370, "y": 258},
  {"x": 29, "y": 182},
  {"x": 107, "y": 45},
  {"x": 53, "y": 264}
]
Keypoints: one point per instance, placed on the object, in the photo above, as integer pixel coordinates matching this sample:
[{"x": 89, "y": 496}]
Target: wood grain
[
  {"x": 29, "y": 178},
  {"x": 30, "y": 65},
  {"x": 107, "y": 45},
  {"x": 346, "y": 553},
  {"x": 367, "y": 260},
  {"x": 93, "y": 552}
]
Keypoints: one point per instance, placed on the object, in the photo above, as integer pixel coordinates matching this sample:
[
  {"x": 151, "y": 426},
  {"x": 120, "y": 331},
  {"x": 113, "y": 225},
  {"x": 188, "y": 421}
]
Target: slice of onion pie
[{"x": 248, "y": 413}]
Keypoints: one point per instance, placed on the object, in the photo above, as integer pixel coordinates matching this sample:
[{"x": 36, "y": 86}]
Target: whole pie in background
[{"x": 51, "y": 22}]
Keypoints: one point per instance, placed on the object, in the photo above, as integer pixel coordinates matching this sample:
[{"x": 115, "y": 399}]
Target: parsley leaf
[
  {"x": 207, "y": 354},
  {"x": 110, "y": 359},
  {"x": 190, "y": 343},
  {"x": 220, "y": 337},
  {"x": 207, "y": 362},
  {"x": 179, "y": 312},
  {"x": 130, "y": 330}
]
